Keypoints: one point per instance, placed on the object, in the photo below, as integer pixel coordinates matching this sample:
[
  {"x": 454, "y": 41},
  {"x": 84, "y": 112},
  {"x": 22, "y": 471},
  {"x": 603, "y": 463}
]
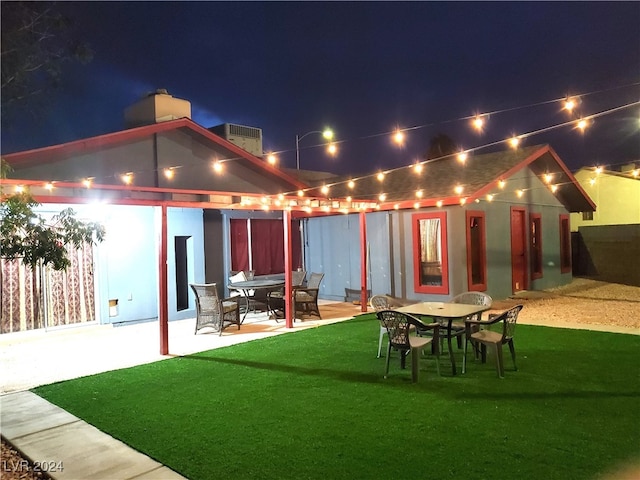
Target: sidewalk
[{"x": 73, "y": 449}]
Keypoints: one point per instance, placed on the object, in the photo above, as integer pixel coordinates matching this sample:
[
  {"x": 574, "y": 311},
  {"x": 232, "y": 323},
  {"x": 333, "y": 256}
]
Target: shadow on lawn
[
  {"x": 547, "y": 395},
  {"x": 325, "y": 372}
]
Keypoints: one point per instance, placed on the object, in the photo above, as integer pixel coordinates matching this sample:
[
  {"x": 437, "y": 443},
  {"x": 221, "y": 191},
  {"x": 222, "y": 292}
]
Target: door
[{"x": 518, "y": 250}]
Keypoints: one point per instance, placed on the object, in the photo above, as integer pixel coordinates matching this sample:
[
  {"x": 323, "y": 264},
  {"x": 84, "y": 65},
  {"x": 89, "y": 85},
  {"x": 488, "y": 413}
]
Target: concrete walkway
[{"x": 49, "y": 435}]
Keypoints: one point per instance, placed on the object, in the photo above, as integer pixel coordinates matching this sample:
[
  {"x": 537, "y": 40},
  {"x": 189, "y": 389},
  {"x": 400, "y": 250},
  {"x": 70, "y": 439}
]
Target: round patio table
[{"x": 256, "y": 284}]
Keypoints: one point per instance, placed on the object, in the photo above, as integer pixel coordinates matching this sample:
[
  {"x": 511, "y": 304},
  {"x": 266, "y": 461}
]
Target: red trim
[
  {"x": 56, "y": 152},
  {"x": 444, "y": 266},
  {"x": 470, "y": 215},
  {"x": 535, "y": 244},
  {"x": 565, "y": 244}
]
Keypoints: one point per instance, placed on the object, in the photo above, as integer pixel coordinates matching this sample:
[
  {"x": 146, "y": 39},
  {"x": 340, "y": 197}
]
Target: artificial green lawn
[{"x": 314, "y": 404}]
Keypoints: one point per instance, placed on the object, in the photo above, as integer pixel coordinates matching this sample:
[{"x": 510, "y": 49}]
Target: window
[
  {"x": 430, "y": 264},
  {"x": 535, "y": 244},
  {"x": 565, "y": 244},
  {"x": 587, "y": 215},
  {"x": 476, "y": 252},
  {"x": 182, "y": 272}
]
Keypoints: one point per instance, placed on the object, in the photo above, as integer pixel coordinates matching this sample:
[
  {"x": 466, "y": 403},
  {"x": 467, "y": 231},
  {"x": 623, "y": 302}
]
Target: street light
[{"x": 326, "y": 133}]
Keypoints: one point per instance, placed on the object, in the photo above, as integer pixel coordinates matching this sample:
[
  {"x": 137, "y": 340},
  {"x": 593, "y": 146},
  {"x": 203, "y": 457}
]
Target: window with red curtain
[
  {"x": 239, "y": 245},
  {"x": 267, "y": 245}
]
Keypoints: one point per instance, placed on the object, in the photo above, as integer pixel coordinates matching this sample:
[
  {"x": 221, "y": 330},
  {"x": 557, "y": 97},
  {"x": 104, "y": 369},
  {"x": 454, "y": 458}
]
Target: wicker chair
[
  {"x": 383, "y": 302},
  {"x": 213, "y": 312},
  {"x": 276, "y": 297},
  {"x": 305, "y": 299},
  {"x": 399, "y": 326},
  {"x": 487, "y": 337}
]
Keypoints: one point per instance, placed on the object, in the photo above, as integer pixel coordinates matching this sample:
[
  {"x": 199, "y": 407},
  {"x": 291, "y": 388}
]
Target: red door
[{"x": 518, "y": 250}]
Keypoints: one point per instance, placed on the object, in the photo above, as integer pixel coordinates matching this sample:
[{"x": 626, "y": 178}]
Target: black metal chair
[
  {"x": 213, "y": 312},
  {"x": 398, "y": 326},
  {"x": 495, "y": 339}
]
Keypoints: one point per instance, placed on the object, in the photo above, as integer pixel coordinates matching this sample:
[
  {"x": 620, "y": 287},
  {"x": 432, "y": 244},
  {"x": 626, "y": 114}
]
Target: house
[
  {"x": 120, "y": 179},
  {"x": 604, "y": 241},
  {"x": 497, "y": 223}
]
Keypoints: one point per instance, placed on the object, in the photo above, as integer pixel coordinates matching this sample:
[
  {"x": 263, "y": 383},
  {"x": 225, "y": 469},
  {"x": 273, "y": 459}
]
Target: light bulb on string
[{"x": 462, "y": 157}]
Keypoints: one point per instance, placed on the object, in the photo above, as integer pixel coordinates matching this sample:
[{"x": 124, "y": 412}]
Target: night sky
[{"x": 362, "y": 68}]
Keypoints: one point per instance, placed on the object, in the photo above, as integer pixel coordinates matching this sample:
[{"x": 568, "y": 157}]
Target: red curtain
[
  {"x": 239, "y": 245},
  {"x": 267, "y": 246}
]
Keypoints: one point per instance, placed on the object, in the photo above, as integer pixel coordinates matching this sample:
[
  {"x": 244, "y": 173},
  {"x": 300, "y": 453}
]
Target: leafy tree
[
  {"x": 35, "y": 44},
  {"x": 442, "y": 145},
  {"x": 28, "y": 236}
]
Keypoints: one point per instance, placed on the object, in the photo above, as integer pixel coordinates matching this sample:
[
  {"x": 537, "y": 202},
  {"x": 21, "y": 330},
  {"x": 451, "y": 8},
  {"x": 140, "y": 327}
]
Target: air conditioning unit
[{"x": 247, "y": 138}]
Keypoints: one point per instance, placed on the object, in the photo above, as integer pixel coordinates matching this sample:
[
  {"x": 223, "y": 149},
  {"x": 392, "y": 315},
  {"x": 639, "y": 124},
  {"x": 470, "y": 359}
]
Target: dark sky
[{"x": 363, "y": 68}]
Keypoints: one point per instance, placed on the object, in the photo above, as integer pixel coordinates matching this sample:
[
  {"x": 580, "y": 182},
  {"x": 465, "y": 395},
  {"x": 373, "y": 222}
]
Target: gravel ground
[{"x": 583, "y": 302}]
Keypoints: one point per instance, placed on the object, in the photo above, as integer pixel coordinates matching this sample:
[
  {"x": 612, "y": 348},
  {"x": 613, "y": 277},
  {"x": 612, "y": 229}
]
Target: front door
[{"x": 518, "y": 250}]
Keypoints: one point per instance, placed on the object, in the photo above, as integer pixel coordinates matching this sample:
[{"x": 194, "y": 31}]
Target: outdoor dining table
[
  {"x": 441, "y": 312},
  {"x": 246, "y": 286}
]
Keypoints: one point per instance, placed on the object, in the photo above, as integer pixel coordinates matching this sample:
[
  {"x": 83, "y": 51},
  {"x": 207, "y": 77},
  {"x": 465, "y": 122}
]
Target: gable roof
[
  {"x": 59, "y": 152},
  {"x": 479, "y": 175}
]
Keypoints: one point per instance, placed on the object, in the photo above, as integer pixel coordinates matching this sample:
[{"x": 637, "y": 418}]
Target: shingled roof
[{"x": 479, "y": 175}]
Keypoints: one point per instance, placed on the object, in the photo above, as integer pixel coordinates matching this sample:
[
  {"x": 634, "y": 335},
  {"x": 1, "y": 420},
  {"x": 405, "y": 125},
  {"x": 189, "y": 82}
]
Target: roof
[
  {"x": 55, "y": 153},
  {"x": 479, "y": 175}
]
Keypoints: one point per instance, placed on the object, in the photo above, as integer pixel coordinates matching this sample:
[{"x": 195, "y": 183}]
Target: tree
[
  {"x": 442, "y": 146},
  {"x": 35, "y": 44},
  {"x": 28, "y": 236}
]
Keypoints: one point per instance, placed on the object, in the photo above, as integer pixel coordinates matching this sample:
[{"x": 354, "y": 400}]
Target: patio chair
[
  {"x": 383, "y": 302},
  {"x": 469, "y": 298},
  {"x": 399, "y": 325},
  {"x": 247, "y": 295},
  {"x": 495, "y": 339},
  {"x": 305, "y": 299},
  {"x": 213, "y": 312},
  {"x": 276, "y": 297}
]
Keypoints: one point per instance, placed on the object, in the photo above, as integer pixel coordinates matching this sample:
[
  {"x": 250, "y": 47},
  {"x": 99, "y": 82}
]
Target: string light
[
  {"x": 520, "y": 193},
  {"x": 398, "y": 137},
  {"x": 569, "y": 104},
  {"x": 458, "y": 189},
  {"x": 300, "y": 193},
  {"x": 169, "y": 173},
  {"x": 514, "y": 142},
  {"x": 439, "y": 203},
  {"x": 548, "y": 177},
  {"x": 19, "y": 188},
  {"x": 351, "y": 184},
  {"x": 418, "y": 167},
  {"x": 554, "y": 188},
  {"x": 87, "y": 182},
  {"x": 380, "y": 176},
  {"x": 48, "y": 186},
  {"x": 419, "y": 193},
  {"x": 635, "y": 173},
  {"x": 382, "y": 197},
  {"x": 416, "y": 205},
  {"x": 502, "y": 183},
  {"x": 489, "y": 197},
  {"x": 325, "y": 189},
  {"x": 478, "y": 123},
  {"x": 462, "y": 157},
  {"x": 217, "y": 166},
  {"x": 582, "y": 124},
  {"x": 127, "y": 178},
  {"x": 598, "y": 170},
  {"x": 272, "y": 159},
  {"x": 592, "y": 181},
  {"x": 332, "y": 149}
]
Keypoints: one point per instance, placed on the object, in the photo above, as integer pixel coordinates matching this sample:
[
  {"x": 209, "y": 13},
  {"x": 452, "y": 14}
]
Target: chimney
[{"x": 156, "y": 107}]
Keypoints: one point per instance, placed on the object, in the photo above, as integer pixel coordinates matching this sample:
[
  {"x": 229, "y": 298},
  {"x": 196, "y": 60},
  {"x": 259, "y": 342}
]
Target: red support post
[
  {"x": 363, "y": 262},
  {"x": 163, "y": 305},
  {"x": 288, "y": 264}
]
